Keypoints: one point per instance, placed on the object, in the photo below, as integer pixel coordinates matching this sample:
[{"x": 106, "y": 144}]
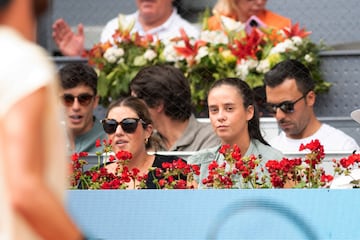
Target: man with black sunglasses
[
  {"x": 79, "y": 97},
  {"x": 291, "y": 99}
]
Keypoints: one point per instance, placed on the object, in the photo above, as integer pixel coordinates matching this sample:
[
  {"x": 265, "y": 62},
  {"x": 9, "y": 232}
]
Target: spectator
[
  {"x": 235, "y": 119},
  {"x": 157, "y": 17},
  {"x": 166, "y": 92},
  {"x": 245, "y": 10},
  {"x": 123, "y": 118},
  {"x": 32, "y": 150},
  {"x": 79, "y": 96},
  {"x": 291, "y": 99}
]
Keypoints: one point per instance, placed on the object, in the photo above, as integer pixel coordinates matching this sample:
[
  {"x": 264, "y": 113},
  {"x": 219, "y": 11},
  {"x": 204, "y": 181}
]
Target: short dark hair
[
  {"x": 75, "y": 74},
  {"x": 248, "y": 97},
  {"x": 166, "y": 84},
  {"x": 290, "y": 69}
]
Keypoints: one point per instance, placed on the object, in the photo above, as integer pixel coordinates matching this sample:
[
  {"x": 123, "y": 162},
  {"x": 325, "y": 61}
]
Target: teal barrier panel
[{"x": 217, "y": 214}]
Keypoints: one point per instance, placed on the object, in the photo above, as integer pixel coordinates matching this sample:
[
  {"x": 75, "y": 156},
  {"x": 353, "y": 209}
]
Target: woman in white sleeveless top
[{"x": 32, "y": 150}]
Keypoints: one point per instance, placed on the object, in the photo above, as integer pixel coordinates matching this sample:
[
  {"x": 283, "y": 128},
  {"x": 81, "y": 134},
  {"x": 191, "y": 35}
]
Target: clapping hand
[{"x": 68, "y": 42}]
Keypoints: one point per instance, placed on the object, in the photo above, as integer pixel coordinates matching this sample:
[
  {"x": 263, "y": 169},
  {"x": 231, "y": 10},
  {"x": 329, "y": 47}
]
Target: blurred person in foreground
[
  {"x": 32, "y": 150},
  {"x": 166, "y": 92},
  {"x": 251, "y": 12},
  {"x": 290, "y": 99},
  {"x": 79, "y": 96},
  {"x": 156, "y": 17}
]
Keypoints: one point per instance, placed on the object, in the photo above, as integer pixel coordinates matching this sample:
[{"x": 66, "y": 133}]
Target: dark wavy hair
[
  {"x": 75, "y": 74},
  {"x": 164, "y": 84},
  {"x": 248, "y": 97}
]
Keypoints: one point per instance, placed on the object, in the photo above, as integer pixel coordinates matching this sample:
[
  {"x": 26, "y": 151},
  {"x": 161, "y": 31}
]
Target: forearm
[{"x": 43, "y": 211}]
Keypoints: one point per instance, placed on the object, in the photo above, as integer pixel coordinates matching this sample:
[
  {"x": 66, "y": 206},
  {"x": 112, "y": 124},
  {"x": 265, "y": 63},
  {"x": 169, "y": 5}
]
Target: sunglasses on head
[
  {"x": 128, "y": 125},
  {"x": 286, "y": 106},
  {"x": 83, "y": 99}
]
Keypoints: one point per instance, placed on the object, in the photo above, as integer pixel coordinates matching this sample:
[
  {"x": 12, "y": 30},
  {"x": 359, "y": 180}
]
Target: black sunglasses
[
  {"x": 128, "y": 125},
  {"x": 286, "y": 106},
  {"x": 83, "y": 99}
]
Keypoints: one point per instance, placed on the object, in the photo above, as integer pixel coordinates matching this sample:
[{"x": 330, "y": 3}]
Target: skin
[
  {"x": 302, "y": 122},
  {"x": 247, "y": 8},
  {"x": 228, "y": 116},
  {"x": 80, "y": 118},
  {"x": 131, "y": 142},
  {"x": 152, "y": 13}
]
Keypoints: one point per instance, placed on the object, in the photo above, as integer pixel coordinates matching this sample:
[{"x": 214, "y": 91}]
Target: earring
[{"x": 146, "y": 140}]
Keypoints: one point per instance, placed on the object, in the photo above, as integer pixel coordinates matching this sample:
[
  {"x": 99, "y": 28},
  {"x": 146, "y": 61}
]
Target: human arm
[
  {"x": 68, "y": 42},
  {"x": 24, "y": 157}
]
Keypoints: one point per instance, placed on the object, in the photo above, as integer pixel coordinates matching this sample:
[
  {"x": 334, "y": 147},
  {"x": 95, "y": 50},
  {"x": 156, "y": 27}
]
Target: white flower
[
  {"x": 125, "y": 24},
  {"x": 242, "y": 69},
  {"x": 150, "y": 54},
  {"x": 202, "y": 52},
  {"x": 113, "y": 54},
  {"x": 231, "y": 25},
  {"x": 297, "y": 40},
  {"x": 252, "y": 63},
  {"x": 214, "y": 37},
  {"x": 283, "y": 47},
  {"x": 264, "y": 66},
  {"x": 170, "y": 54},
  {"x": 308, "y": 58}
]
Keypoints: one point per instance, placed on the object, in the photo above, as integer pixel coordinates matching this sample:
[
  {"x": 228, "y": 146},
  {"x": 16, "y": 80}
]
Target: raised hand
[{"x": 68, "y": 42}]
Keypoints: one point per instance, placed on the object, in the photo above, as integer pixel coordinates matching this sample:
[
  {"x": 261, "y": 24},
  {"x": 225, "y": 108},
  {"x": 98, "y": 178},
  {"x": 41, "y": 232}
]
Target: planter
[{"x": 217, "y": 214}]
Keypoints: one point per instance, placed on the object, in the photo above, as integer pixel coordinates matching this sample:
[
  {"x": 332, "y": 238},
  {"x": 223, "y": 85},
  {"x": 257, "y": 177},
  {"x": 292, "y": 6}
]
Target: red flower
[
  {"x": 189, "y": 51},
  {"x": 295, "y": 30},
  {"x": 98, "y": 143},
  {"x": 246, "y": 47}
]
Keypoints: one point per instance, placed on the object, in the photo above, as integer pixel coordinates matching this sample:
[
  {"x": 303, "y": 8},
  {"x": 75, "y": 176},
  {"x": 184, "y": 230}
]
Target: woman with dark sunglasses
[
  {"x": 129, "y": 128},
  {"x": 234, "y": 117}
]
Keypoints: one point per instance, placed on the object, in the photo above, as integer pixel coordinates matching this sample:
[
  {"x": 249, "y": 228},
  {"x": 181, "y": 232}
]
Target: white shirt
[
  {"x": 167, "y": 30},
  {"x": 331, "y": 138}
]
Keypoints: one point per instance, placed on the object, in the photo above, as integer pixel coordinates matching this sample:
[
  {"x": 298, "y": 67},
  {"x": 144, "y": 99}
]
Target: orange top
[{"x": 269, "y": 18}]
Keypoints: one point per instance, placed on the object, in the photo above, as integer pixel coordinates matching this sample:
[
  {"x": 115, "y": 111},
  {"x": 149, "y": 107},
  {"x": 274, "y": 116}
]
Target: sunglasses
[
  {"x": 83, "y": 99},
  {"x": 128, "y": 125},
  {"x": 286, "y": 106}
]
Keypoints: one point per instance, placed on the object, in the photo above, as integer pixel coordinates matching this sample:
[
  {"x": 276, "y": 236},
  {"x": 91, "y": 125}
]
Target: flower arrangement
[
  {"x": 300, "y": 173},
  {"x": 237, "y": 171},
  {"x": 119, "y": 60},
  {"x": 246, "y": 172},
  {"x": 348, "y": 168},
  {"x": 232, "y": 52},
  {"x": 175, "y": 175}
]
